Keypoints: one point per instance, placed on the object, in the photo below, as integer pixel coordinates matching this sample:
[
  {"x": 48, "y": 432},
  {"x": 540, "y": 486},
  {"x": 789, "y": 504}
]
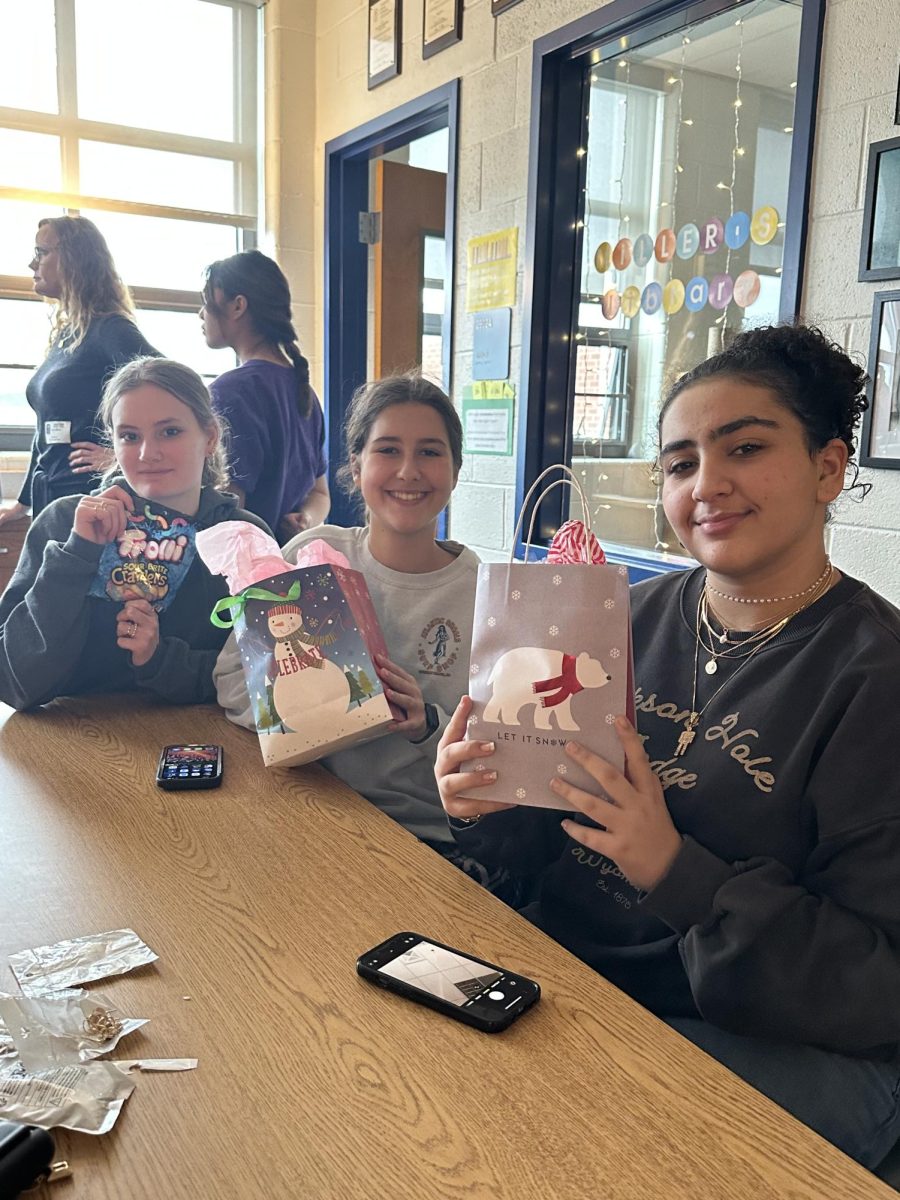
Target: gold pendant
[
  {"x": 687, "y": 735},
  {"x": 711, "y": 667}
]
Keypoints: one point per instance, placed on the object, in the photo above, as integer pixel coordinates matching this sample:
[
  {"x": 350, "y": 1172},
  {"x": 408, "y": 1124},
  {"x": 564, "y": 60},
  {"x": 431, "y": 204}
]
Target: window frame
[
  {"x": 553, "y": 248},
  {"x": 243, "y": 151}
]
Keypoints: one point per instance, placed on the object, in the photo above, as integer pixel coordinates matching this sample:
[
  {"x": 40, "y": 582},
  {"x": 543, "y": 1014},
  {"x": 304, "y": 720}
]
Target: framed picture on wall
[
  {"x": 441, "y": 25},
  {"x": 879, "y": 256},
  {"x": 880, "y": 442},
  {"x": 384, "y": 41},
  {"x": 499, "y": 6}
]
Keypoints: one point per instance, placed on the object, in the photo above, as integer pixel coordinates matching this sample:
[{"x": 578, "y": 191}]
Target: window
[
  {"x": 142, "y": 115},
  {"x": 434, "y": 256},
  {"x": 673, "y": 162}
]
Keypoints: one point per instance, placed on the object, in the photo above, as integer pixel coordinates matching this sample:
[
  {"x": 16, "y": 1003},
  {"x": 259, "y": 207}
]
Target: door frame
[{"x": 346, "y": 258}]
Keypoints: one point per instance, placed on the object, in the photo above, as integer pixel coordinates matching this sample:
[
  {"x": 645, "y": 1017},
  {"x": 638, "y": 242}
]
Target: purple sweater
[{"x": 275, "y": 455}]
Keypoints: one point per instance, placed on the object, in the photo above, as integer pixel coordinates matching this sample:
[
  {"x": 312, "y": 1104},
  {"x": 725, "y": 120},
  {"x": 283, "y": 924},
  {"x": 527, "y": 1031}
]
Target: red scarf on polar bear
[{"x": 566, "y": 684}]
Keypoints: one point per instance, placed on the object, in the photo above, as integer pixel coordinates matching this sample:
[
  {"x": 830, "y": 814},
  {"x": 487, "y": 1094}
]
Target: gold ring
[{"x": 132, "y": 629}]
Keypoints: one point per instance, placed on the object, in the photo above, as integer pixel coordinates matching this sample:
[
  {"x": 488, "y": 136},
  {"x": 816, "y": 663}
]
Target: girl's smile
[
  {"x": 408, "y": 497},
  {"x": 405, "y": 470}
]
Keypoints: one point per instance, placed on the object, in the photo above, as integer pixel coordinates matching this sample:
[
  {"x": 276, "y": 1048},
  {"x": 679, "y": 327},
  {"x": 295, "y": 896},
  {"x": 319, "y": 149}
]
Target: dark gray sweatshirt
[
  {"x": 57, "y": 640},
  {"x": 780, "y": 917}
]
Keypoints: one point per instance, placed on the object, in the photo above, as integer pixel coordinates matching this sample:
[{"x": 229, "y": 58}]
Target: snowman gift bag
[
  {"x": 551, "y": 660},
  {"x": 307, "y": 636}
]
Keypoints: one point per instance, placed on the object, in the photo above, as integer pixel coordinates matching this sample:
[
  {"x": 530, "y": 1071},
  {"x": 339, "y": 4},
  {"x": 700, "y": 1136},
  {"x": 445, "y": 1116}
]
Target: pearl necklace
[
  {"x": 689, "y": 730},
  {"x": 773, "y": 599},
  {"x": 748, "y": 645}
]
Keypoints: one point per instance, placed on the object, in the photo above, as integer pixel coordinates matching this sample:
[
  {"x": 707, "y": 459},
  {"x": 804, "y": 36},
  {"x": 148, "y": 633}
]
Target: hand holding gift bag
[
  {"x": 551, "y": 659},
  {"x": 308, "y": 637}
]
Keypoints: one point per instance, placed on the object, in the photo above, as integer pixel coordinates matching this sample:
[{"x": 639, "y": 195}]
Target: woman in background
[
  {"x": 93, "y": 332},
  {"x": 57, "y": 635},
  {"x": 275, "y": 428}
]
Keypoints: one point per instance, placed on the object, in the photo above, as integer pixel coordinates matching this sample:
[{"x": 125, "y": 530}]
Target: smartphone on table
[
  {"x": 189, "y": 767},
  {"x": 470, "y": 990}
]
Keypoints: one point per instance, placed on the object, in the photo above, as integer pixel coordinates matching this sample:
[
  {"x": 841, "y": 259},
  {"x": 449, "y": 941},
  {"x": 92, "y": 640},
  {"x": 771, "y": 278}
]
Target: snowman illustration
[{"x": 305, "y": 680}]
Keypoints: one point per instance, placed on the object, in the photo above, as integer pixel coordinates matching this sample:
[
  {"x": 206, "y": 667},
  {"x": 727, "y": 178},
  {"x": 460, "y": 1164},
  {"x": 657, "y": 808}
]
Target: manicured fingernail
[
  {"x": 487, "y": 747},
  {"x": 622, "y": 723},
  {"x": 555, "y": 785},
  {"x": 573, "y": 748},
  {"x": 490, "y": 776}
]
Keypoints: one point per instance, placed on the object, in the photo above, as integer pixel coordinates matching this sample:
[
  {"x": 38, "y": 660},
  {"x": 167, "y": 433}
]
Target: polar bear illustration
[
  {"x": 305, "y": 679},
  {"x": 547, "y": 679}
]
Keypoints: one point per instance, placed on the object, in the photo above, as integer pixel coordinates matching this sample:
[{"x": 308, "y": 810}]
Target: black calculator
[{"x": 190, "y": 767}]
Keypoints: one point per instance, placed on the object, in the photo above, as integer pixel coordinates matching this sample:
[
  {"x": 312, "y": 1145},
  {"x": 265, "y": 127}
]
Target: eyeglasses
[{"x": 41, "y": 252}]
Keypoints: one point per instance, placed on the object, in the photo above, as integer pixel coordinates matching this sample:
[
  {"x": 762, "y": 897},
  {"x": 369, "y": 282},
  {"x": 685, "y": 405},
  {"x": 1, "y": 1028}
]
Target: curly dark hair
[{"x": 812, "y": 376}]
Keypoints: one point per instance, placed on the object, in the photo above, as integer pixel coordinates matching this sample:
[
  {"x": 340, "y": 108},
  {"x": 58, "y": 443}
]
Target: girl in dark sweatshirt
[{"x": 742, "y": 878}]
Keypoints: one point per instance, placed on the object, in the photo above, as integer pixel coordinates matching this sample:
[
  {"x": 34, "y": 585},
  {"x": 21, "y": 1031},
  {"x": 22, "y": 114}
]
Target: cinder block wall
[
  {"x": 317, "y": 90},
  {"x": 857, "y": 95}
]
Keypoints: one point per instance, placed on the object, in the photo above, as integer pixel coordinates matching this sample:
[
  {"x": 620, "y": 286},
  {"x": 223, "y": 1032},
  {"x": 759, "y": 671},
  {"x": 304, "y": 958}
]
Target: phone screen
[
  {"x": 443, "y": 973},
  {"x": 190, "y": 763}
]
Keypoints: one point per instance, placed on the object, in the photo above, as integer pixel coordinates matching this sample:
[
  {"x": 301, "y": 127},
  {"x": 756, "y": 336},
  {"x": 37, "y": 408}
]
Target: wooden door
[{"x": 412, "y": 203}]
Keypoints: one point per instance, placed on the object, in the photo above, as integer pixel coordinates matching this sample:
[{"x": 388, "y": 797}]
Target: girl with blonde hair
[{"x": 92, "y": 332}]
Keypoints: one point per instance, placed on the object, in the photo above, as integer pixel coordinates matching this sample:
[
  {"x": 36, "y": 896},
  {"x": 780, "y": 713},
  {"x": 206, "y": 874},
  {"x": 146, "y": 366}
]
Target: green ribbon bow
[{"x": 235, "y": 605}]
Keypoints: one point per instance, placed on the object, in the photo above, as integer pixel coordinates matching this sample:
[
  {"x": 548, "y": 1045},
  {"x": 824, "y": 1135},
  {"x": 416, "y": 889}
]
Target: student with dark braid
[{"x": 274, "y": 425}]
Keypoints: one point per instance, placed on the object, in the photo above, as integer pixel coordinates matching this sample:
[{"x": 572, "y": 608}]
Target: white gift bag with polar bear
[{"x": 551, "y": 660}]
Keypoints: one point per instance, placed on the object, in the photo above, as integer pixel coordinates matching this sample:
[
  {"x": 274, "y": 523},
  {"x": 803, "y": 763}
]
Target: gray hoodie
[{"x": 57, "y": 640}]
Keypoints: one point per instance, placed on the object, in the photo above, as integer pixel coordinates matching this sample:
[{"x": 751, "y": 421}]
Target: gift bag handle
[{"x": 569, "y": 480}]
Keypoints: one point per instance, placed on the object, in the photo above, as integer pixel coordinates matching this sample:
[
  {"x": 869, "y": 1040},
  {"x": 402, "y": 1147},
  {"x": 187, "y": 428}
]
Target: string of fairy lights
[
  {"x": 683, "y": 120},
  {"x": 656, "y": 508}
]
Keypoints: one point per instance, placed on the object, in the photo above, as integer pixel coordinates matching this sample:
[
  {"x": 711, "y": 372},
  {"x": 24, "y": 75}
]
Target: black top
[
  {"x": 66, "y": 388},
  {"x": 780, "y": 917}
]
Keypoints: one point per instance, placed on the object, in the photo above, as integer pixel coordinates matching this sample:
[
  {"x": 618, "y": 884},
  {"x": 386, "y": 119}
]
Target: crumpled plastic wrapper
[
  {"x": 56, "y": 1029},
  {"x": 85, "y": 1098},
  {"x": 7, "y": 1046},
  {"x": 79, "y": 960}
]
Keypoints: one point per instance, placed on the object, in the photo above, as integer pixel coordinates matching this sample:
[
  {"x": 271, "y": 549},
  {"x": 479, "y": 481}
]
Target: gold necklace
[
  {"x": 740, "y": 649},
  {"x": 689, "y": 732},
  {"x": 726, "y": 647},
  {"x": 723, "y": 634},
  {"x": 774, "y": 599}
]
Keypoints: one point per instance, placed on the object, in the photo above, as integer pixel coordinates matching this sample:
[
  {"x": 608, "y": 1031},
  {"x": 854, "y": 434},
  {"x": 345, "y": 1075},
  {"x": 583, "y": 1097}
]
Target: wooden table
[{"x": 258, "y": 897}]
